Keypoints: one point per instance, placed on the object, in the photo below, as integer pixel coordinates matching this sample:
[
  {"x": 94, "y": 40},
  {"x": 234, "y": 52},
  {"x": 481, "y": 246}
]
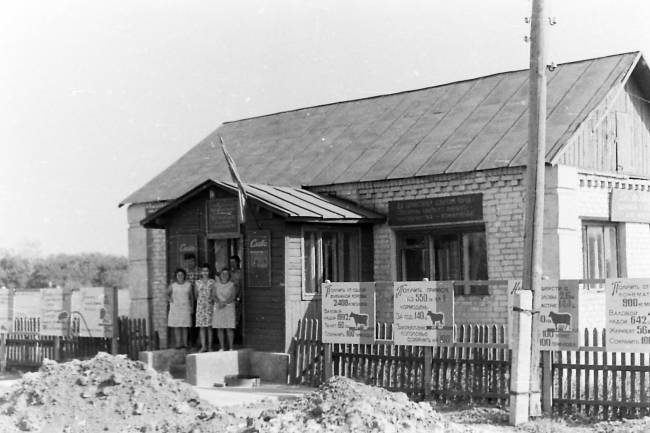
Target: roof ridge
[{"x": 401, "y": 92}]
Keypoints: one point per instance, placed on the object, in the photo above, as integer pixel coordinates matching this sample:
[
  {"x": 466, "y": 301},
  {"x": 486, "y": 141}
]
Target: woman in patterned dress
[
  {"x": 181, "y": 301},
  {"x": 203, "y": 288},
  {"x": 223, "y": 317}
]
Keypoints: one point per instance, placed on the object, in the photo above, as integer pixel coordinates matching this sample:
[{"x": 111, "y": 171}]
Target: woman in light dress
[
  {"x": 181, "y": 301},
  {"x": 223, "y": 317},
  {"x": 203, "y": 289}
]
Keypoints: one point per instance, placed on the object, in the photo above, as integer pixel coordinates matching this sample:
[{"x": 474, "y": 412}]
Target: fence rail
[
  {"x": 598, "y": 383},
  {"x": 475, "y": 367},
  {"x": 24, "y": 347}
]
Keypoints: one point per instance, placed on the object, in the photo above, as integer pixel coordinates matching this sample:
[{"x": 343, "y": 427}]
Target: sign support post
[{"x": 116, "y": 329}]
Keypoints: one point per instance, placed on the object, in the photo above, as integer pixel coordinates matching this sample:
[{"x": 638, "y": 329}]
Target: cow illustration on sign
[
  {"x": 437, "y": 319},
  {"x": 563, "y": 319},
  {"x": 360, "y": 320}
]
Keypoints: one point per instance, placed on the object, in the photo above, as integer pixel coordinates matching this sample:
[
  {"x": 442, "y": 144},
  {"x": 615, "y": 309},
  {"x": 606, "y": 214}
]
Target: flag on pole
[{"x": 241, "y": 189}]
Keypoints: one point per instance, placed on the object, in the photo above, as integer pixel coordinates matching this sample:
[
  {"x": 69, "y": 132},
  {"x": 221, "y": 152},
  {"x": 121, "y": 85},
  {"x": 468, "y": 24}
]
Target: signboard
[
  {"x": 630, "y": 206},
  {"x": 558, "y": 315},
  {"x": 6, "y": 309},
  {"x": 423, "y": 313},
  {"x": 95, "y": 311},
  {"x": 223, "y": 216},
  {"x": 187, "y": 245},
  {"x": 258, "y": 263},
  {"x": 436, "y": 210},
  {"x": 348, "y": 313},
  {"x": 628, "y": 310},
  {"x": 55, "y": 312}
]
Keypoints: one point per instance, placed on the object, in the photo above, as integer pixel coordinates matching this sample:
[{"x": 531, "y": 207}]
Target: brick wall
[{"x": 503, "y": 210}]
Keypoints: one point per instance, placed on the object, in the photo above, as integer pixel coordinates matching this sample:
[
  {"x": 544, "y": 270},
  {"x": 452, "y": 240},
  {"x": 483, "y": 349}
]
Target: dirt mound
[
  {"x": 342, "y": 405},
  {"x": 107, "y": 393}
]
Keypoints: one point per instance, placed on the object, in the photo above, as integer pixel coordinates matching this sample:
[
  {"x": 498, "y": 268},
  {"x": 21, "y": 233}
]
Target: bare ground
[{"x": 114, "y": 394}]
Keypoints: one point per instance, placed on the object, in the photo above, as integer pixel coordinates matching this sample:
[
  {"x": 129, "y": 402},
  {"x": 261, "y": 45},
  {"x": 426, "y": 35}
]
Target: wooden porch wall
[
  {"x": 298, "y": 308},
  {"x": 615, "y": 137},
  {"x": 264, "y": 310}
]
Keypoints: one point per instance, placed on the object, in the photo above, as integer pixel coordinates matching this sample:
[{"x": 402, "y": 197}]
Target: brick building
[{"x": 425, "y": 183}]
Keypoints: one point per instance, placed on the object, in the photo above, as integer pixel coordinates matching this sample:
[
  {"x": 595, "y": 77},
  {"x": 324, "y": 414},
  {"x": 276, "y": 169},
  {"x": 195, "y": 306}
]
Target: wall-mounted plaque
[
  {"x": 630, "y": 206},
  {"x": 223, "y": 217},
  {"x": 456, "y": 208},
  {"x": 258, "y": 263}
]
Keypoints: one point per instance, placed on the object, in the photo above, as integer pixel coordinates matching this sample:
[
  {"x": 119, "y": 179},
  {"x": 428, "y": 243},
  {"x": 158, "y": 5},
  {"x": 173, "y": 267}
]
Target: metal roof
[
  {"x": 294, "y": 204},
  {"x": 469, "y": 125}
]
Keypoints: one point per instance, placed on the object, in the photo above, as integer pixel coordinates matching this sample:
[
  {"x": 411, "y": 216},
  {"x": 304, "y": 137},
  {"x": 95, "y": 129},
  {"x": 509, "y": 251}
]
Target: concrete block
[
  {"x": 206, "y": 369},
  {"x": 271, "y": 367},
  {"x": 162, "y": 360}
]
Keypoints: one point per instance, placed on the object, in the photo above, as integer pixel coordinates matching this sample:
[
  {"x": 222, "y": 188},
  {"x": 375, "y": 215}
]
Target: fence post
[
  {"x": 116, "y": 330},
  {"x": 327, "y": 360},
  {"x": 57, "y": 348},
  {"x": 547, "y": 382},
  {"x": 428, "y": 374},
  {"x": 521, "y": 346},
  {"x": 3, "y": 352}
]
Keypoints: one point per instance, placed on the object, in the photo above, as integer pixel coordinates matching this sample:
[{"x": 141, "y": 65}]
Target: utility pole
[{"x": 534, "y": 218}]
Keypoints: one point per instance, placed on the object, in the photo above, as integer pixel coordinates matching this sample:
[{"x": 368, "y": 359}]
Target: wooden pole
[
  {"x": 534, "y": 219},
  {"x": 116, "y": 331}
]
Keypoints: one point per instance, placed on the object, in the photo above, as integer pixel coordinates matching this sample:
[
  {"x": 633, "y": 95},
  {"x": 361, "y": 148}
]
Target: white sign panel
[
  {"x": 423, "y": 313},
  {"x": 348, "y": 313},
  {"x": 558, "y": 315},
  {"x": 628, "y": 309},
  {"x": 55, "y": 312},
  {"x": 95, "y": 312},
  {"x": 6, "y": 309}
]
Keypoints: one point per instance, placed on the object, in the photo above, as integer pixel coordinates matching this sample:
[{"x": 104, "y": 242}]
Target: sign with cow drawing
[
  {"x": 558, "y": 315},
  {"x": 423, "y": 313},
  {"x": 349, "y": 313},
  {"x": 628, "y": 315}
]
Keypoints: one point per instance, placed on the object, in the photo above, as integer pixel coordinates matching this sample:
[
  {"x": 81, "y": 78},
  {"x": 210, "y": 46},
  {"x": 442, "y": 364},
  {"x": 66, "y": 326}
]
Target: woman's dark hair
[
  {"x": 225, "y": 269},
  {"x": 182, "y": 271}
]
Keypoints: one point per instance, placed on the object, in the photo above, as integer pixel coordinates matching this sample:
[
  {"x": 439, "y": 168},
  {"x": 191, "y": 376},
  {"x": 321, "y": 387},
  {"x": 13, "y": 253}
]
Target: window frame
[
  {"x": 431, "y": 233},
  {"x": 585, "y": 223},
  {"x": 318, "y": 256}
]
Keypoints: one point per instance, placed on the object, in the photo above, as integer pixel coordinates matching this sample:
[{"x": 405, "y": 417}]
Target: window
[
  {"x": 329, "y": 254},
  {"x": 600, "y": 250},
  {"x": 456, "y": 254}
]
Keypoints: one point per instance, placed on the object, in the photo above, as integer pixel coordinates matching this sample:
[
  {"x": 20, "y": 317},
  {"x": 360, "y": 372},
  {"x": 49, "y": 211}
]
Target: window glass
[
  {"x": 600, "y": 251},
  {"x": 310, "y": 264},
  {"x": 330, "y": 255},
  {"x": 450, "y": 255}
]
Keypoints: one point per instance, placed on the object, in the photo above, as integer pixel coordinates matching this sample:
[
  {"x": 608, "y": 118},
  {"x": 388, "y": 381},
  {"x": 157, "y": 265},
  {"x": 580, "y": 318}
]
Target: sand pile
[
  {"x": 107, "y": 394},
  {"x": 342, "y": 405}
]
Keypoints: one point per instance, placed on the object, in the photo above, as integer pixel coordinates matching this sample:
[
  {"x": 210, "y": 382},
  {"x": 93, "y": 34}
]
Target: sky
[{"x": 97, "y": 97}]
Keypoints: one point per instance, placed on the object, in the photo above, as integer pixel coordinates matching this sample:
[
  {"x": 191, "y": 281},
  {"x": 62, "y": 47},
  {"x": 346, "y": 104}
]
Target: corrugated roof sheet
[
  {"x": 469, "y": 125},
  {"x": 292, "y": 203}
]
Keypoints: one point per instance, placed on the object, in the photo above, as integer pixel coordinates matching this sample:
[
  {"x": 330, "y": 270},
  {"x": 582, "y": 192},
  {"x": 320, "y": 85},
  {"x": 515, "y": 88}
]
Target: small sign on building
[
  {"x": 423, "y": 313},
  {"x": 258, "y": 263},
  {"x": 348, "y": 313},
  {"x": 437, "y": 210},
  {"x": 559, "y": 314},
  {"x": 223, "y": 218},
  {"x": 628, "y": 315}
]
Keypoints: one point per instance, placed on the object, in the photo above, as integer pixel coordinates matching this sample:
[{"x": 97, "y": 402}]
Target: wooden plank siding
[
  {"x": 615, "y": 137},
  {"x": 299, "y": 307},
  {"x": 263, "y": 308}
]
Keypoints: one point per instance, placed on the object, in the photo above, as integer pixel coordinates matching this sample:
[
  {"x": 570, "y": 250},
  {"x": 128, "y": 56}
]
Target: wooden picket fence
[
  {"x": 24, "y": 347},
  {"x": 475, "y": 368},
  {"x": 600, "y": 384}
]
